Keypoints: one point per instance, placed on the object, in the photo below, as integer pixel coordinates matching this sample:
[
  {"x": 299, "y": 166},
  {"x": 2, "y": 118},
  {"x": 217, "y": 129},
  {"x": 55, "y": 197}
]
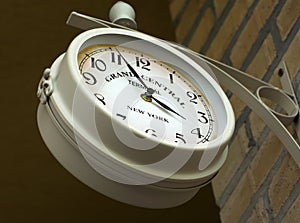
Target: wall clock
[{"x": 136, "y": 118}]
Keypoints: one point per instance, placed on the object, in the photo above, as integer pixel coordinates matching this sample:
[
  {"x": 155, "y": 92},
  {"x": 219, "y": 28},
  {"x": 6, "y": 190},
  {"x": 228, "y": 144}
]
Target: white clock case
[
  {"x": 175, "y": 191},
  {"x": 71, "y": 159}
]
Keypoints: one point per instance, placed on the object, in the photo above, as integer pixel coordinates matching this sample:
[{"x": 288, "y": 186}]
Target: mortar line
[
  {"x": 178, "y": 18},
  {"x": 189, "y": 36},
  {"x": 241, "y": 169},
  {"x": 283, "y": 48},
  {"x": 267, "y": 205},
  {"x": 270, "y": 71},
  {"x": 249, "y": 134},
  {"x": 288, "y": 203},
  {"x": 262, "y": 35},
  {"x": 276, "y": 37},
  {"x": 240, "y": 121},
  {"x": 226, "y": 55},
  {"x": 260, "y": 141},
  {"x": 217, "y": 26}
]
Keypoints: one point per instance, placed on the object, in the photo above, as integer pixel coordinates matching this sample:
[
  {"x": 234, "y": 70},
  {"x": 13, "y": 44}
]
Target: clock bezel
[
  {"x": 122, "y": 37},
  {"x": 68, "y": 87}
]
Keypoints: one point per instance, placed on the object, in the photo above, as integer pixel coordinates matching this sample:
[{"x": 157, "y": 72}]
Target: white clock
[{"x": 134, "y": 118}]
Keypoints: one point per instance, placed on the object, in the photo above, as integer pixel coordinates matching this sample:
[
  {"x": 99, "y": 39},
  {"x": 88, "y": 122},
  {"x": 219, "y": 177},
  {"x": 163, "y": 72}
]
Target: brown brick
[
  {"x": 202, "y": 31},
  {"x": 257, "y": 125},
  {"x": 236, "y": 154},
  {"x": 188, "y": 19},
  {"x": 237, "y": 104},
  {"x": 287, "y": 17},
  {"x": 263, "y": 58},
  {"x": 283, "y": 182},
  {"x": 264, "y": 9},
  {"x": 249, "y": 34},
  {"x": 238, "y": 201},
  {"x": 292, "y": 55},
  {"x": 241, "y": 48},
  {"x": 264, "y": 160},
  {"x": 293, "y": 214},
  {"x": 259, "y": 213},
  {"x": 256, "y": 172},
  {"x": 219, "y": 6},
  {"x": 175, "y": 7},
  {"x": 229, "y": 27}
]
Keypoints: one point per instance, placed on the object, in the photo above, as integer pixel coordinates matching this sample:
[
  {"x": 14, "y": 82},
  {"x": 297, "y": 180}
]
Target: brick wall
[{"x": 259, "y": 182}]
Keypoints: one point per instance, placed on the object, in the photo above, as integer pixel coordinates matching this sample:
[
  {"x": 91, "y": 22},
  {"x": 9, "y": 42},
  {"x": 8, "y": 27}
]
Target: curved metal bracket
[
  {"x": 241, "y": 84},
  {"x": 85, "y": 22}
]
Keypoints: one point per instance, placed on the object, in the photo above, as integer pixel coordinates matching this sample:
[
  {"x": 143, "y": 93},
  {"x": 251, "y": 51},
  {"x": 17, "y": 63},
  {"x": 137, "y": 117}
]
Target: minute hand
[
  {"x": 132, "y": 70},
  {"x": 150, "y": 91}
]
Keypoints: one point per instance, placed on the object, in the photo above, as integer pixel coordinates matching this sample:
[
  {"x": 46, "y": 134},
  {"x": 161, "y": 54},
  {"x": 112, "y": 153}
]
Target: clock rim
[
  {"x": 76, "y": 46},
  {"x": 55, "y": 98}
]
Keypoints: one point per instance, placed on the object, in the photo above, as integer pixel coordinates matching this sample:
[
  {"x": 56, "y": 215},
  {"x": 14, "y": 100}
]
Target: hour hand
[{"x": 166, "y": 106}]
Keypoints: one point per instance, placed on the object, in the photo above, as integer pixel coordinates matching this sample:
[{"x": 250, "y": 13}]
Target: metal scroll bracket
[
  {"x": 248, "y": 89},
  {"x": 252, "y": 92}
]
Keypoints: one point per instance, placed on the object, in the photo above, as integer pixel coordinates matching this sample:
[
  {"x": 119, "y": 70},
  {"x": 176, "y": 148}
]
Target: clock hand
[
  {"x": 166, "y": 106},
  {"x": 149, "y": 93},
  {"x": 148, "y": 96},
  {"x": 132, "y": 70}
]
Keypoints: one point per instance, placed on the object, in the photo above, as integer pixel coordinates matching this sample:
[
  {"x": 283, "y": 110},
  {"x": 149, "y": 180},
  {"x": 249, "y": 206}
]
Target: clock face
[{"x": 152, "y": 98}]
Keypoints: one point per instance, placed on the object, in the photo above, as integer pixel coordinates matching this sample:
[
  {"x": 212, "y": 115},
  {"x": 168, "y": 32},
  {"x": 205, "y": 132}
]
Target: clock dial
[{"x": 153, "y": 98}]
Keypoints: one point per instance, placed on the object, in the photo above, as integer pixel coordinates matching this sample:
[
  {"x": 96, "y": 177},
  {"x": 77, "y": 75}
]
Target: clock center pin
[{"x": 147, "y": 96}]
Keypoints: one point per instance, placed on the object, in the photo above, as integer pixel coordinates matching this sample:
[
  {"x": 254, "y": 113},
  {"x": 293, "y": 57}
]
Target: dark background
[{"x": 34, "y": 187}]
